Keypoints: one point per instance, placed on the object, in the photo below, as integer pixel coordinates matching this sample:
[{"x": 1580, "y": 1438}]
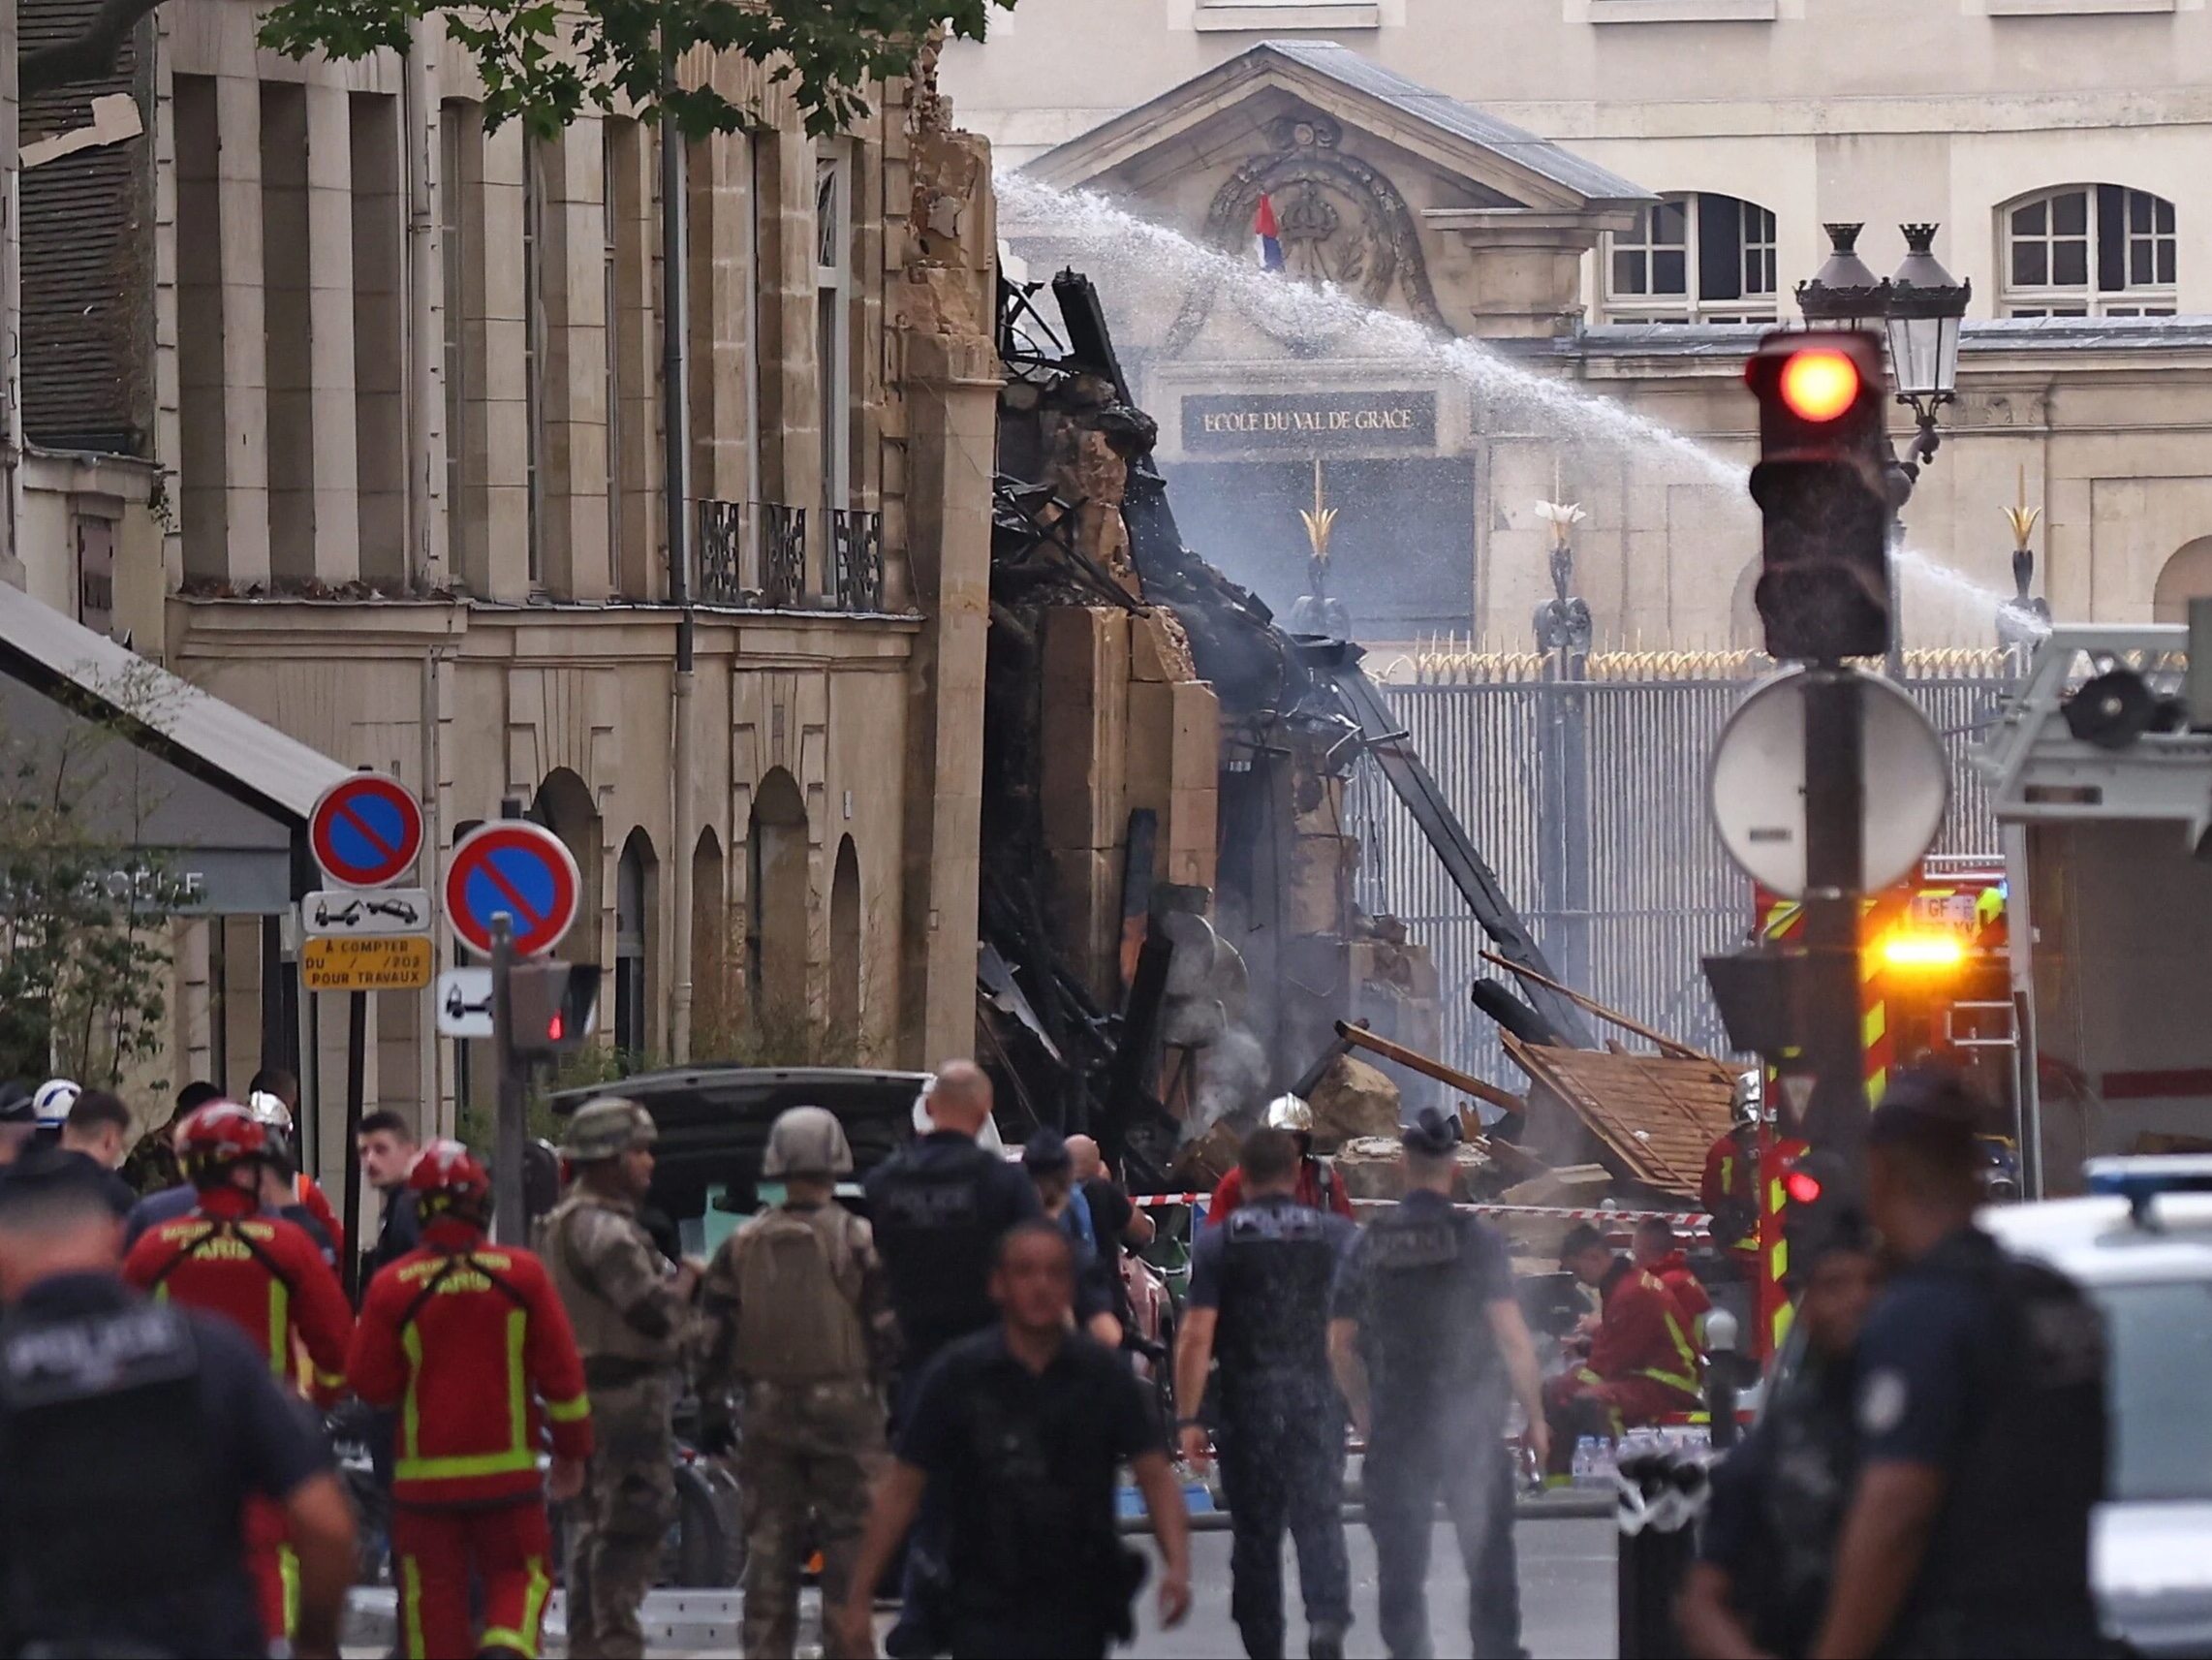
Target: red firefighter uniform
[
  {"x": 267, "y": 1275},
  {"x": 1320, "y": 1188},
  {"x": 307, "y": 1193},
  {"x": 1673, "y": 1271},
  {"x": 470, "y": 1343},
  {"x": 1730, "y": 1189},
  {"x": 1642, "y": 1365}
]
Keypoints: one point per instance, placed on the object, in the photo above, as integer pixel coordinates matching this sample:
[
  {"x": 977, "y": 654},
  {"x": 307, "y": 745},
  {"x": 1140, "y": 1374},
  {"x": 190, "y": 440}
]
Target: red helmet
[
  {"x": 446, "y": 1179},
  {"x": 217, "y": 1136}
]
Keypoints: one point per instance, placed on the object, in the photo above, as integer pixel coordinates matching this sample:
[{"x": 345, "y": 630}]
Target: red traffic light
[
  {"x": 1802, "y": 1186},
  {"x": 1819, "y": 385},
  {"x": 556, "y": 1029}
]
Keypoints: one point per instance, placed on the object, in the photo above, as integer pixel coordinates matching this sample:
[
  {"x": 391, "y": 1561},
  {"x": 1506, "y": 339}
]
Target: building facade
[
  {"x": 370, "y": 439},
  {"x": 2055, "y": 142}
]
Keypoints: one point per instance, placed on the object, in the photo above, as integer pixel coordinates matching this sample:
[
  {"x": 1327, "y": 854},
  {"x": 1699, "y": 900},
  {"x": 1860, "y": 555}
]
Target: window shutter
[{"x": 1720, "y": 247}]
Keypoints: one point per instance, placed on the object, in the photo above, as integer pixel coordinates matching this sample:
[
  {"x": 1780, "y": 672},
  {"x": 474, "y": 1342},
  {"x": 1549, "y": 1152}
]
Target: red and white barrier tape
[{"x": 1686, "y": 1219}]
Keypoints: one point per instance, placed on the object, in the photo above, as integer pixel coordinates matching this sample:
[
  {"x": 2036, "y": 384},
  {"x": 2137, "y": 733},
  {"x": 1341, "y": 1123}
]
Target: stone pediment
[
  {"x": 1244, "y": 96},
  {"x": 1368, "y": 175}
]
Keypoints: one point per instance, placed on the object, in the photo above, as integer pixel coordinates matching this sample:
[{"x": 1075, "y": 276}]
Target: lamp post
[{"x": 1920, "y": 309}]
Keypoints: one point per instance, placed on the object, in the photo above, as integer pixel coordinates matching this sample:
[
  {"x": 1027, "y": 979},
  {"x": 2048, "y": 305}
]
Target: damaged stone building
[{"x": 351, "y": 414}]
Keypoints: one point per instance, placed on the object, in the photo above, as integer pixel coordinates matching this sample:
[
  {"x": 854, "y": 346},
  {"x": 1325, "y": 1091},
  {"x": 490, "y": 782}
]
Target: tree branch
[{"x": 90, "y": 56}]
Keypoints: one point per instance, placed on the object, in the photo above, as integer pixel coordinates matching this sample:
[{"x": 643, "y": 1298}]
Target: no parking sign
[
  {"x": 521, "y": 869},
  {"x": 367, "y": 831}
]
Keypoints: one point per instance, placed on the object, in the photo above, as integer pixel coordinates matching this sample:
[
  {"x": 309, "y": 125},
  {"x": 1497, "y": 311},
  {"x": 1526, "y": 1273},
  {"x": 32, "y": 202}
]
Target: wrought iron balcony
[
  {"x": 754, "y": 554},
  {"x": 856, "y": 561}
]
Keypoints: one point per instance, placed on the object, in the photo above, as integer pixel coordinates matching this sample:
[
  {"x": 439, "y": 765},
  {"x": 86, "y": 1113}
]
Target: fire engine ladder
[{"x": 1417, "y": 787}]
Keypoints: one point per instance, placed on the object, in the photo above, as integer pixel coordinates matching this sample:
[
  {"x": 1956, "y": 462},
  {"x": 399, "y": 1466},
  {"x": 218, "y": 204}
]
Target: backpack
[{"x": 799, "y": 1296}]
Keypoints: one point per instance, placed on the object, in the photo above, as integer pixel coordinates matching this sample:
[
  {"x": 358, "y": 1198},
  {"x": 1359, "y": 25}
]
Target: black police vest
[
  {"x": 936, "y": 1233},
  {"x": 1426, "y": 1336},
  {"x": 112, "y": 1525},
  {"x": 1812, "y": 1447},
  {"x": 2014, "y": 1536},
  {"x": 1277, "y": 1264}
]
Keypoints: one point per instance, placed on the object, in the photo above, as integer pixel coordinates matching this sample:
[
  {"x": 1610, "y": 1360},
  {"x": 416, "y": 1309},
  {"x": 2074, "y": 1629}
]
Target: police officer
[
  {"x": 940, "y": 1206},
  {"x": 1259, "y": 1303},
  {"x": 794, "y": 1310},
  {"x": 1021, "y": 1430},
  {"x": 1981, "y": 1406},
  {"x": 132, "y": 1434},
  {"x": 1429, "y": 1347},
  {"x": 1767, "y": 1540},
  {"x": 631, "y": 1314}
]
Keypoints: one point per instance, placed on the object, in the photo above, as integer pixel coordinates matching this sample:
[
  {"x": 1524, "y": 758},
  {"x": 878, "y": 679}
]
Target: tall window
[
  {"x": 534, "y": 165},
  {"x": 2089, "y": 250},
  {"x": 615, "y": 155},
  {"x": 1699, "y": 258},
  {"x": 833, "y": 278},
  {"x": 461, "y": 199}
]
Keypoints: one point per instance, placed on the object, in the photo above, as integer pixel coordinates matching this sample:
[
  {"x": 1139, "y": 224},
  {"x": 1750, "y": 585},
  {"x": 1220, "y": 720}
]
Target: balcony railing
[
  {"x": 754, "y": 554},
  {"x": 856, "y": 561}
]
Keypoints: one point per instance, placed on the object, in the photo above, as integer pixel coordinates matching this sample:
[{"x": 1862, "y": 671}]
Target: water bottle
[
  {"x": 1604, "y": 1462},
  {"x": 1584, "y": 1470}
]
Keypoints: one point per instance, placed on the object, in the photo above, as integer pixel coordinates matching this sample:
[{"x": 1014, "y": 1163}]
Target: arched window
[
  {"x": 713, "y": 1004},
  {"x": 1697, "y": 258},
  {"x": 2187, "y": 575},
  {"x": 634, "y": 903},
  {"x": 2088, "y": 250},
  {"x": 776, "y": 900},
  {"x": 845, "y": 975}
]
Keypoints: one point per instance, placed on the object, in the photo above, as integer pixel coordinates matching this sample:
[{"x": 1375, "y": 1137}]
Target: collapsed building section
[{"x": 1169, "y": 922}]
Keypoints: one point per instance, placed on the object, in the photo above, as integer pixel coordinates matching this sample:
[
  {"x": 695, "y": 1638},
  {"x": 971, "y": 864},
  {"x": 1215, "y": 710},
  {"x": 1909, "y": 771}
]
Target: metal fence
[{"x": 1587, "y": 797}]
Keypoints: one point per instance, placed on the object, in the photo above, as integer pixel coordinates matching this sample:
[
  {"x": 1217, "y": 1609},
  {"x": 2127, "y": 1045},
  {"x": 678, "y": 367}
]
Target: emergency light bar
[
  {"x": 1914, "y": 948},
  {"x": 2140, "y": 1181}
]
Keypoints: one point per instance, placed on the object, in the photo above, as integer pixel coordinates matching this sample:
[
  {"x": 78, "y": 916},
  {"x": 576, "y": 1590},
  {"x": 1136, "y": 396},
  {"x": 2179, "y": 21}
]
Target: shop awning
[{"x": 212, "y": 804}]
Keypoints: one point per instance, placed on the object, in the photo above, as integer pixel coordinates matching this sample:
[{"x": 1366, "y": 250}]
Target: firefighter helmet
[
  {"x": 448, "y": 1180},
  {"x": 607, "y": 1128},
  {"x": 807, "y": 1140},
  {"x": 1291, "y": 1112},
  {"x": 50, "y": 1106},
  {"x": 1746, "y": 1102},
  {"x": 215, "y": 1137}
]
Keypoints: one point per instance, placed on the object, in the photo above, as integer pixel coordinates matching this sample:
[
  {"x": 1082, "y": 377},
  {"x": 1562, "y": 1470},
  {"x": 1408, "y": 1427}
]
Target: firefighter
[
  {"x": 796, "y": 1312},
  {"x": 300, "y": 1188},
  {"x": 472, "y": 1342},
  {"x": 1656, "y": 1250},
  {"x": 1730, "y": 1190},
  {"x": 1641, "y": 1364},
  {"x": 264, "y": 1273},
  {"x": 1318, "y": 1186}
]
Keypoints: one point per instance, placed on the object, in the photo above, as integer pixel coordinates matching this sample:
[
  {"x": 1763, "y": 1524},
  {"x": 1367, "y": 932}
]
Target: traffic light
[
  {"x": 1822, "y": 485},
  {"x": 552, "y": 1007}
]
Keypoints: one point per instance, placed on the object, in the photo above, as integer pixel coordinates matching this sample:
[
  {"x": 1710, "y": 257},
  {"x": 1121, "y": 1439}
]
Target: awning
[{"x": 211, "y": 802}]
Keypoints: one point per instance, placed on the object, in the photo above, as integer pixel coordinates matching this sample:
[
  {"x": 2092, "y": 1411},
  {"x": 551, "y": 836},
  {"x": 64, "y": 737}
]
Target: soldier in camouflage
[
  {"x": 632, "y": 1314},
  {"x": 798, "y": 1316}
]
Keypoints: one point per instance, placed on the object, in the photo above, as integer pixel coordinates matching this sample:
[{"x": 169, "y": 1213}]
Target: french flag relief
[{"x": 1266, "y": 241}]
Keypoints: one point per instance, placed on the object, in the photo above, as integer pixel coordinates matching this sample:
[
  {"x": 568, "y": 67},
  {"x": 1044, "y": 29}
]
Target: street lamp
[
  {"x": 1844, "y": 294},
  {"x": 1925, "y": 311}
]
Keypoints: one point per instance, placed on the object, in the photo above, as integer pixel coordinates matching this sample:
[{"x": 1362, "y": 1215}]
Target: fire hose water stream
[{"x": 1147, "y": 269}]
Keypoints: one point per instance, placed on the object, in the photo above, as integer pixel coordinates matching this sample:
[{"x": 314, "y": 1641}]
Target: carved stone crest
[{"x": 1342, "y": 224}]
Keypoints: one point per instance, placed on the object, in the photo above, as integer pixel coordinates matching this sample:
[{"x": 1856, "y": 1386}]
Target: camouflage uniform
[
  {"x": 631, "y": 1327},
  {"x": 796, "y": 1311}
]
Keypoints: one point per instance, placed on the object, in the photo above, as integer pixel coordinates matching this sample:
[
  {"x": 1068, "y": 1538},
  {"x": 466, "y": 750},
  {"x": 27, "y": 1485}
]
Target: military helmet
[
  {"x": 1291, "y": 1112},
  {"x": 607, "y": 1128},
  {"x": 807, "y": 1140}
]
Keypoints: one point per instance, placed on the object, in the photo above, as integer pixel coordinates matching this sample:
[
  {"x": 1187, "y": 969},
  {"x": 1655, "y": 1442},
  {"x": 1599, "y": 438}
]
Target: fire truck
[{"x": 2100, "y": 777}]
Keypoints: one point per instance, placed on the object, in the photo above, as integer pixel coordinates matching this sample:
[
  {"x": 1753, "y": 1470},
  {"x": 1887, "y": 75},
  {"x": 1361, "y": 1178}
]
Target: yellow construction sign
[{"x": 388, "y": 962}]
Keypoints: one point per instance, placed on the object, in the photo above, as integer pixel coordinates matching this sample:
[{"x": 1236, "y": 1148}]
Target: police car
[{"x": 2140, "y": 1244}]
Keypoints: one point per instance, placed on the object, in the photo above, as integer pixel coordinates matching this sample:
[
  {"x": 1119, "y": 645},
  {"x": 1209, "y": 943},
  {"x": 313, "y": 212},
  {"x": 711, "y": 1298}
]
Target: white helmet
[
  {"x": 1291, "y": 1112},
  {"x": 1748, "y": 1098},
  {"x": 52, "y": 1104},
  {"x": 270, "y": 1110}
]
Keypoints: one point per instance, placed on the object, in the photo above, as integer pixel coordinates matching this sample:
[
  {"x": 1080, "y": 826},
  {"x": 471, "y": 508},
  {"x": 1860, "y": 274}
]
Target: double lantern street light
[{"x": 1921, "y": 309}]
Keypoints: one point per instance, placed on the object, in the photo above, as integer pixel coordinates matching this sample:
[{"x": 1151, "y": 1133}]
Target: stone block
[
  {"x": 1085, "y": 656},
  {"x": 1192, "y": 836},
  {"x": 1158, "y": 647},
  {"x": 1352, "y": 1099},
  {"x": 1196, "y": 761},
  {"x": 1151, "y": 745},
  {"x": 1086, "y": 895},
  {"x": 1319, "y": 865}
]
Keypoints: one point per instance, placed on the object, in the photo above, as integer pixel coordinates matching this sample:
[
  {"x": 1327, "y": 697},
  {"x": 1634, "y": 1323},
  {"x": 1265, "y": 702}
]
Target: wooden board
[{"x": 1654, "y": 1116}]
